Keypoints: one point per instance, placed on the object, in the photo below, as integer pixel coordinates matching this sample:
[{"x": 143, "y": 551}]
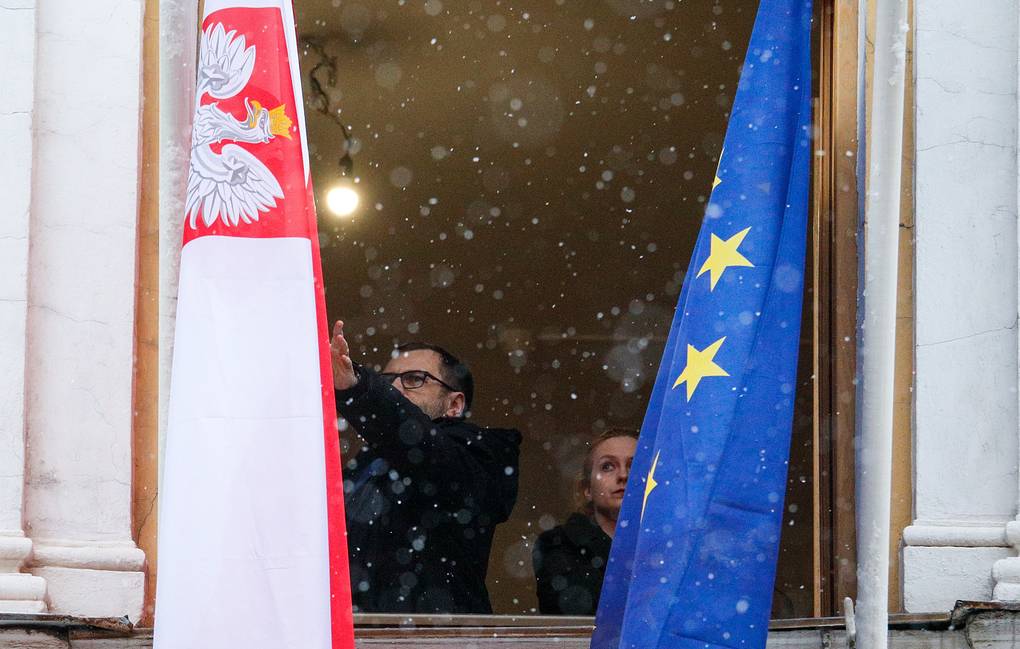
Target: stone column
[
  {"x": 1007, "y": 571},
  {"x": 81, "y": 306},
  {"x": 19, "y": 592},
  {"x": 965, "y": 439}
]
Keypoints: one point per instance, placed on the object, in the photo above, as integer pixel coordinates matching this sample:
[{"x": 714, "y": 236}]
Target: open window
[{"x": 532, "y": 179}]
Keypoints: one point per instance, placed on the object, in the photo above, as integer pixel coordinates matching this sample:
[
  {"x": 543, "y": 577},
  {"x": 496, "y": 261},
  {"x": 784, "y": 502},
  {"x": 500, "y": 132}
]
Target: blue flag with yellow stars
[{"x": 694, "y": 556}]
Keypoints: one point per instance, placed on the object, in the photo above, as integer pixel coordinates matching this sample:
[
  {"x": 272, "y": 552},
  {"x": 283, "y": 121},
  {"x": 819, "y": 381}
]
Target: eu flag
[{"x": 694, "y": 556}]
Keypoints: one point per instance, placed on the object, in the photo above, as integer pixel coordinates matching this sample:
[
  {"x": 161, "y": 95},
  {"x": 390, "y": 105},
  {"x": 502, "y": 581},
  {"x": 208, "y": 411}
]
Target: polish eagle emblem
[{"x": 233, "y": 185}]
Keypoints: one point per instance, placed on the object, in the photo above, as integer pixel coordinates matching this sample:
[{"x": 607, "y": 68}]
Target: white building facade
[
  {"x": 962, "y": 542},
  {"x": 70, "y": 125}
]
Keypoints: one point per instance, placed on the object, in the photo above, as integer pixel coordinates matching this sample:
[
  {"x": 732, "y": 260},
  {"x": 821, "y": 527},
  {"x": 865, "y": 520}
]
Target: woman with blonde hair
[{"x": 570, "y": 559}]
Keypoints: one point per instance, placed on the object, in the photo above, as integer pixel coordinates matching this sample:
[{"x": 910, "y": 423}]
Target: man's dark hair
[{"x": 455, "y": 372}]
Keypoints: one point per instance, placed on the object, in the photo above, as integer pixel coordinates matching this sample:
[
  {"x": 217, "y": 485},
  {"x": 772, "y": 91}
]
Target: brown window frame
[
  {"x": 834, "y": 266},
  {"x": 835, "y": 217}
]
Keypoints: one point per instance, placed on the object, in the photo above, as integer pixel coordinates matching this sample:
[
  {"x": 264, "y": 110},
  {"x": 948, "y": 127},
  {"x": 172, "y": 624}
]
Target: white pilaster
[
  {"x": 19, "y": 592},
  {"x": 1007, "y": 571},
  {"x": 966, "y": 438},
  {"x": 81, "y": 306}
]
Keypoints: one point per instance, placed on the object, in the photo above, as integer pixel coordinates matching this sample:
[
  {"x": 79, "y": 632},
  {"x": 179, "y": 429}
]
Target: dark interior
[{"x": 532, "y": 179}]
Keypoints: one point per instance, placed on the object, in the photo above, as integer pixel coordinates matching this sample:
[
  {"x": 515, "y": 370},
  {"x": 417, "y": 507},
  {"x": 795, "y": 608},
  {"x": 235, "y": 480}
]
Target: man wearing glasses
[{"x": 427, "y": 488}]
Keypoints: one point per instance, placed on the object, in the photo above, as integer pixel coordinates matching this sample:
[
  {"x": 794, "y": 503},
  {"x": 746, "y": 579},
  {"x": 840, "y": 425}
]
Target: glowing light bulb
[{"x": 342, "y": 200}]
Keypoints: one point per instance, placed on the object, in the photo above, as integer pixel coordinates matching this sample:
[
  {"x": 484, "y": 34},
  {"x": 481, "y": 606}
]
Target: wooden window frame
[
  {"x": 834, "y": 257},
  {"x": 835, "y": 217}
]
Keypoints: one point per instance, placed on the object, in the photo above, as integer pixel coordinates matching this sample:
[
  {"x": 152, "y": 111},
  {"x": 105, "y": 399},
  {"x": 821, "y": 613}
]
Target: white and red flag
[{"x": 252, "y": 548}]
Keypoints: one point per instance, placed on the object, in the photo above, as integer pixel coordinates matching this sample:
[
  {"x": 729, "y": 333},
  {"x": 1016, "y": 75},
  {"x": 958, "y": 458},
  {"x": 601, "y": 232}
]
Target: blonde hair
[{"x": 584, "y": 503}]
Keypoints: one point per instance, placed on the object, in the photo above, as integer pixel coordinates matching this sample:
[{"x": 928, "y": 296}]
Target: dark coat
[
  {"x": 422, "y": 500},
  {"x": 570, "y": 562}
]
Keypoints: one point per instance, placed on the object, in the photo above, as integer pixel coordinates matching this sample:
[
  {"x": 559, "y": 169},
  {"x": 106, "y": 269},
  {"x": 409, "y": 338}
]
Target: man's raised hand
[{"x": 344, "y": 375}]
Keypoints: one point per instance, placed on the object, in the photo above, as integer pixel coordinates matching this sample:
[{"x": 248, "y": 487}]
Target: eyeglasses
[{"x": 414, "y": 379}]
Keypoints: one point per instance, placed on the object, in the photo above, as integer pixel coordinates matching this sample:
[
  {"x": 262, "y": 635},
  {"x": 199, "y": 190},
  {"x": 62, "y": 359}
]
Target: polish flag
[{"x": 252, "y": 546}]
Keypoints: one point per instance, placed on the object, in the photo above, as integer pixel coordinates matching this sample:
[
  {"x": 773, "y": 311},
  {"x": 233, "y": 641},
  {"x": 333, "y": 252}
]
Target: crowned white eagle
[{"x": 232, "y": 185}]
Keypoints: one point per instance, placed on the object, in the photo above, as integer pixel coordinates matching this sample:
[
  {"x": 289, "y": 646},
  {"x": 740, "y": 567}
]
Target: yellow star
[
  {"x": 718, "y": 180},
  {"x": 724, "y": 254},
  {"x": 650, "y": 484},
  {"x": 700, "y": 364}
]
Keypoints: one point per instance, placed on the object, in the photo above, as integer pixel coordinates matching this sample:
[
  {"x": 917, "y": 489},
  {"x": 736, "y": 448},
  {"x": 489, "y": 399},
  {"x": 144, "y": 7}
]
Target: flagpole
[
  {"x": 878, "y": 335},
  {"x": 178, "y": 47}
]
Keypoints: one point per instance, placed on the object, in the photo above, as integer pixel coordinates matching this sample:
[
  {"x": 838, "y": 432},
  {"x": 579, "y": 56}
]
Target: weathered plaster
[
  {"x": 19, "y": 592},
  {"x": 81, "y": 306},
  {"x": 966, "y": 416}
]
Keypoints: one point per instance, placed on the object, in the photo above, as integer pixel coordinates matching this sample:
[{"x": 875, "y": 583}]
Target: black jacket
[
  {"x": 422, "y": 500},
  {"x": 570, "y": 562}
]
